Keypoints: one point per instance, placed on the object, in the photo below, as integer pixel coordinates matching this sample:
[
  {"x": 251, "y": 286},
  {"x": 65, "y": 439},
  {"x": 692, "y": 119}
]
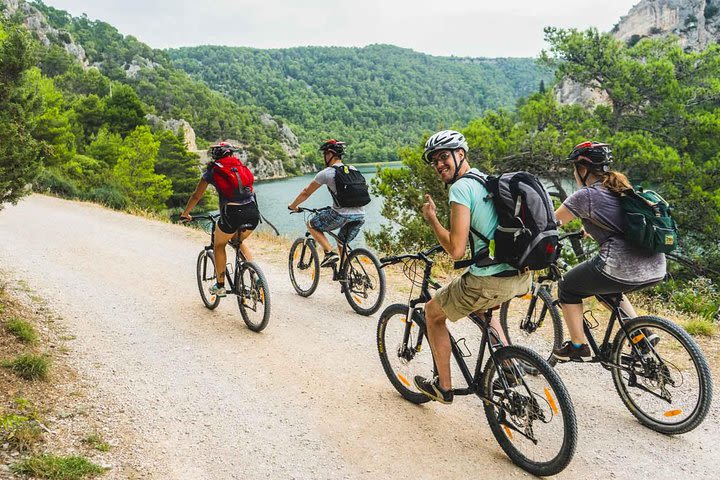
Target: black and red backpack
[{"x": 232, "y": 179}]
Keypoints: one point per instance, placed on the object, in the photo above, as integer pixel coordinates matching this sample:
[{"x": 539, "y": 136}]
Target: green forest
[{"x": 376, "y": 98}]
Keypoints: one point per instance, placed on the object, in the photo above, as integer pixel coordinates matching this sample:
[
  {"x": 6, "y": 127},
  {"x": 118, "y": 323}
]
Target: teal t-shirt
[{"x": 483, "y": 218}]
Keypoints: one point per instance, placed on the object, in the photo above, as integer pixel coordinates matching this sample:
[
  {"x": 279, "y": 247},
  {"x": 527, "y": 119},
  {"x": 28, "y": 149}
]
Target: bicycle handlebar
[
  {"x": 303, "y": 209},
  {"x": 391, "y": 260},
  {"x": 578, "y": 234}
]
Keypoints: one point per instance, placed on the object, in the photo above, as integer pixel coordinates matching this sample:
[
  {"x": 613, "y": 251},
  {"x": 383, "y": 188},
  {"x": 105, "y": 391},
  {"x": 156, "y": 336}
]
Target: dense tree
[
  {"x": 20, "y": 153},
  {"x": 179, "y": 165},
  {"x": 123, "y": 109},
  {"x": 135, "y": 171}
]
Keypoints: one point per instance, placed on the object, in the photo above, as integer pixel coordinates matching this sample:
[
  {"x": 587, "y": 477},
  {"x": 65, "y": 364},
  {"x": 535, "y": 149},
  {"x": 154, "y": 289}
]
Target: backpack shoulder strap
[{"x": 483, "y": 181}]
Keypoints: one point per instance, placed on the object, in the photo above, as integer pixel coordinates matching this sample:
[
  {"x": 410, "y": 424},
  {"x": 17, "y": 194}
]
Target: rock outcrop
[
  {"x": 175, "y": 126},
  {"x": 695, "y": 22}
]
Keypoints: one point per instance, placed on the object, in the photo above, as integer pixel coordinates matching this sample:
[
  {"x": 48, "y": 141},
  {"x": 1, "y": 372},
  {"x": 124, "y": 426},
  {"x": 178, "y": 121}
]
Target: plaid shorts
[{"x": 328, "y": 219}]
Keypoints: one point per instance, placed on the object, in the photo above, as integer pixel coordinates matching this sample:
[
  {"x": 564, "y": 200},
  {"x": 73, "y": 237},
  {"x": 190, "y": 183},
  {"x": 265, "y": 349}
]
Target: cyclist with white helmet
[{"x": 478, "y": 288}]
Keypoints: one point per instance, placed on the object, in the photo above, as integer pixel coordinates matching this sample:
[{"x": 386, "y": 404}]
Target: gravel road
[{"x": 201, "y": 397}]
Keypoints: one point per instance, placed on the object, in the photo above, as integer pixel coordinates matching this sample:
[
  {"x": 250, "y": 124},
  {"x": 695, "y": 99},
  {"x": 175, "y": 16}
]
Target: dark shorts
[
  {"x": 587, "y": 280},
  {"x": 233, "y": 217},
  {"x": 327, "y": 220}
]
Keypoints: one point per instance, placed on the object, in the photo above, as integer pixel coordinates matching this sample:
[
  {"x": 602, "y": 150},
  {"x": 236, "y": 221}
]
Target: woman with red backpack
[{"x": 238, "y": 207}]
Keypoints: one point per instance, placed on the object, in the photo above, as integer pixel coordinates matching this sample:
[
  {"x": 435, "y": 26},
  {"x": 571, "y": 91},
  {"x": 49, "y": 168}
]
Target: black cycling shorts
[
  {"x": 587, "y": 279},
  {"x": 233, "y": 217}
]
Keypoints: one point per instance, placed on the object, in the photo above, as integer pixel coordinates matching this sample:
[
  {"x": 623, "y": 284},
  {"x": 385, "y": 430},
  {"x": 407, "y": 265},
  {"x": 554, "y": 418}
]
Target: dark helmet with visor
[
  {"x": 335, "y": 146},
  {"x": 221, "y": 150},
  {"x": 596, "y": 156}
]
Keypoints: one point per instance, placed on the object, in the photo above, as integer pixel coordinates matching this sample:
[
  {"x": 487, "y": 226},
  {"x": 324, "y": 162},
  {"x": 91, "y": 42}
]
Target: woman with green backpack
[{"x": 621, "y": 265}]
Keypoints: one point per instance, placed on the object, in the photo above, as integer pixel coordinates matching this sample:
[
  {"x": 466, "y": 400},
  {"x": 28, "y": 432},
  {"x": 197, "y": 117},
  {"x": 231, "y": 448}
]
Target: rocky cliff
[{"x": 695, "y": 22}]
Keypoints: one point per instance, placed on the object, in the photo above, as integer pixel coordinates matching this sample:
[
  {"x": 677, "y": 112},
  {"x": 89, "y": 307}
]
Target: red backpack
[{"x": 233, "y": 180}]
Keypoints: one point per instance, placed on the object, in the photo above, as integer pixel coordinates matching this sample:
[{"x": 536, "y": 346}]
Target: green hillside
[{"x": 377, "y": 98}]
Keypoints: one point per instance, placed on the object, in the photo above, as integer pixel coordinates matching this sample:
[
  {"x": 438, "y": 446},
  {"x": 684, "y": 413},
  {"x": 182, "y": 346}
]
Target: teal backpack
[{"x": 648, "y": 223}]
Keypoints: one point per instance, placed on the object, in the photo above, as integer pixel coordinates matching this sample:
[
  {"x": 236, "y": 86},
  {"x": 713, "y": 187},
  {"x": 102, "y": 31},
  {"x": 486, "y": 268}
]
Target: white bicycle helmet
[{"x": 444, "y": 140}]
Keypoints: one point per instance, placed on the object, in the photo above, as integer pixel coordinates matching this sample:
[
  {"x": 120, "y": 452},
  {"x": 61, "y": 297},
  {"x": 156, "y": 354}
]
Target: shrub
[
  {"x": 19, "y": 432},
  {"x": 21, "y": 329},
  {"x": 698, "y": 296},
  {"x": 29, "y": 367},
  {"x": 108, "y": 196},
  {"x": 51, "y": 181},
  {"x": 711, "y": 10}
]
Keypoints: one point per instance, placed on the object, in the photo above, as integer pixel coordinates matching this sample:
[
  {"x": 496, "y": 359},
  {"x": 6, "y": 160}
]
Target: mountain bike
[
  {"x": 658, "y": 370},
  {"x": 245, "y": 280},
  {"x": 358, "y": 271},
  {"x": 531, "y": 416}
]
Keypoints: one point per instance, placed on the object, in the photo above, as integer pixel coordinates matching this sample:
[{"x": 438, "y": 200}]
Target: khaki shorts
[{"x": 469, "y": 293}]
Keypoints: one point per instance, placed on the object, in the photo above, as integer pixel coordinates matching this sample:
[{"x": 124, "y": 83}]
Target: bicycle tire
[
  {"x": 389, "y": 349},
  {"x": 515, "y": 335},
  {"x": 700, "y": 410},
  {"x": 257, "y": 293},
  {"x": 558, "y": 403},
  {"x": 359, "y": 280},
  {"x": 295, "y": 263},
  {"x": 205, "y": 272}
]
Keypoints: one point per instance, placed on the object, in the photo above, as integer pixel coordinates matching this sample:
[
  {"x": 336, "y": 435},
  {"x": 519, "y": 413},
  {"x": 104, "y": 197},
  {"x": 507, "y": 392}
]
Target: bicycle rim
[
  {"x": 666, "y": 386},
  {"x": 253, "y": 296},
  {"x": 537, "y": 426},
  {"x": 403, "y": 359},
  {"x": 206, "y": 278},
  {"x": 304, "y": 267},
  {"x": 365, "y": 282},
  {"x": 540, "y": 330}
]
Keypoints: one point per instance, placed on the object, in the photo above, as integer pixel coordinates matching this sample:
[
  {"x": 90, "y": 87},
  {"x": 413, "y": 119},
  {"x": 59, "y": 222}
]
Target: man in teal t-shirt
[{"x": 478, "y": 288}]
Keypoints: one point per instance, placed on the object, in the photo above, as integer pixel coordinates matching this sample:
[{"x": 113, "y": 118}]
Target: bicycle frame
[
  {"x": 473, "y": 380},
  {"x": 239, "y": 257}
]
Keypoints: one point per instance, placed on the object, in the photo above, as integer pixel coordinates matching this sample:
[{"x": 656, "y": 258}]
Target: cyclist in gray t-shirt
[
  {"x": 619, "y": 267},
  {"x": 347, "y": 219}
]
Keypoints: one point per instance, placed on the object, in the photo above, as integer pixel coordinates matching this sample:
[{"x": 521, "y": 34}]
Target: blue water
[{"x": 275, "y": 195}]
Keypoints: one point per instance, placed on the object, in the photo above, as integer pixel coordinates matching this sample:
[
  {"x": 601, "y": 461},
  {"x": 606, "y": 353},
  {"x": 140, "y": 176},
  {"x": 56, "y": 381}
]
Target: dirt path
[{"x": 205, "y": 398}]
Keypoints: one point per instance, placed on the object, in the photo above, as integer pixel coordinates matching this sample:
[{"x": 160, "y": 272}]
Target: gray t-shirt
[
  {"x": 326, "y": 176},
  {"x": 603, "y": 218}
]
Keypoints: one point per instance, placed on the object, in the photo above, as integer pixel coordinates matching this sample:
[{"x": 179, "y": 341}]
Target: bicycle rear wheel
[
  {"x": 533, "y": 322},
  {"x": 206, "y": 278},
  {"x": 253, "y": 296},
  {"x": 531, "y": 416},
  {"x": 304, "y": 266},
  {"x": 666, "y": 384},
  {"x": 404, "y": 350},
  {"x": 365, "y": 282}
]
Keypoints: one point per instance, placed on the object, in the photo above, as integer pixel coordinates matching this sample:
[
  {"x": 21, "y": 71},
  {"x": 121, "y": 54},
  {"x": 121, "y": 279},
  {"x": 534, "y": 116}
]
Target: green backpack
[{"x": 648, "y": 223}]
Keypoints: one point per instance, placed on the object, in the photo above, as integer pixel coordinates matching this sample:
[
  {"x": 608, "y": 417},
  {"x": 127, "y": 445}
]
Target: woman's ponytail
[{"x": 616, "y": 182}]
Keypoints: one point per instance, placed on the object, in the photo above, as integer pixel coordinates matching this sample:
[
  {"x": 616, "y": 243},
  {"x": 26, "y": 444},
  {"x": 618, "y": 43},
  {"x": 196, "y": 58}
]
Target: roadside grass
[
  {"x": 57, "y": 467},
  {"x": 22, "y": 330},
  {"x": 29, "y": 366},
  {"x": 94, "y": 440},
  {"x": 700, "y": 327}
]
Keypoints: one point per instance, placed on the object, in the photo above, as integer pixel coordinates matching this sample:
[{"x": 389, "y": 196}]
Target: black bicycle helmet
[
  {"x": 335, "y": 146},
  {"x": 595, "y": 154},
  {"x": 221, "y": 150}
]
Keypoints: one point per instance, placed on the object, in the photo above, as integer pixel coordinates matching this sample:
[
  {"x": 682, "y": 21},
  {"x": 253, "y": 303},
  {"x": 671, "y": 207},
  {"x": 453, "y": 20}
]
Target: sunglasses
[{"x": 440, "y": 157}]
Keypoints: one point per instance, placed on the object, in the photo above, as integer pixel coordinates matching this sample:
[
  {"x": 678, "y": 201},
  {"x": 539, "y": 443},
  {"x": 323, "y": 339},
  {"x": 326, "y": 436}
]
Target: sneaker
[
  {"x": 569, "y": 353},
  {"x": 431, "y": 388},
  {"x": 218, "y": 290},
  {"x": 330, "y": 258}
]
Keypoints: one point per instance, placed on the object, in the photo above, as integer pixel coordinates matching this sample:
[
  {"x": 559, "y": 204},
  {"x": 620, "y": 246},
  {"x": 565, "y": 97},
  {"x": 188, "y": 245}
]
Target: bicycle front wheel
[
  {"x": 664, "y": 381},
  {"x": 531, "y": 416},
  {"x": 304, "y": 266},
  {"x": 206, "y": 278},
  {"x": 364, "y": 282},
  {"x": 253, "y": 296},
  {"x": 404, "y": 350},
  {"x": 533, "y": 322}
]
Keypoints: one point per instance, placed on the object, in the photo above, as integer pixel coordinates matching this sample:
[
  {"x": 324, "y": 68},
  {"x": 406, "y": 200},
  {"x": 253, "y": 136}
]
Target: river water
[{"x": 275, "y": 195}]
